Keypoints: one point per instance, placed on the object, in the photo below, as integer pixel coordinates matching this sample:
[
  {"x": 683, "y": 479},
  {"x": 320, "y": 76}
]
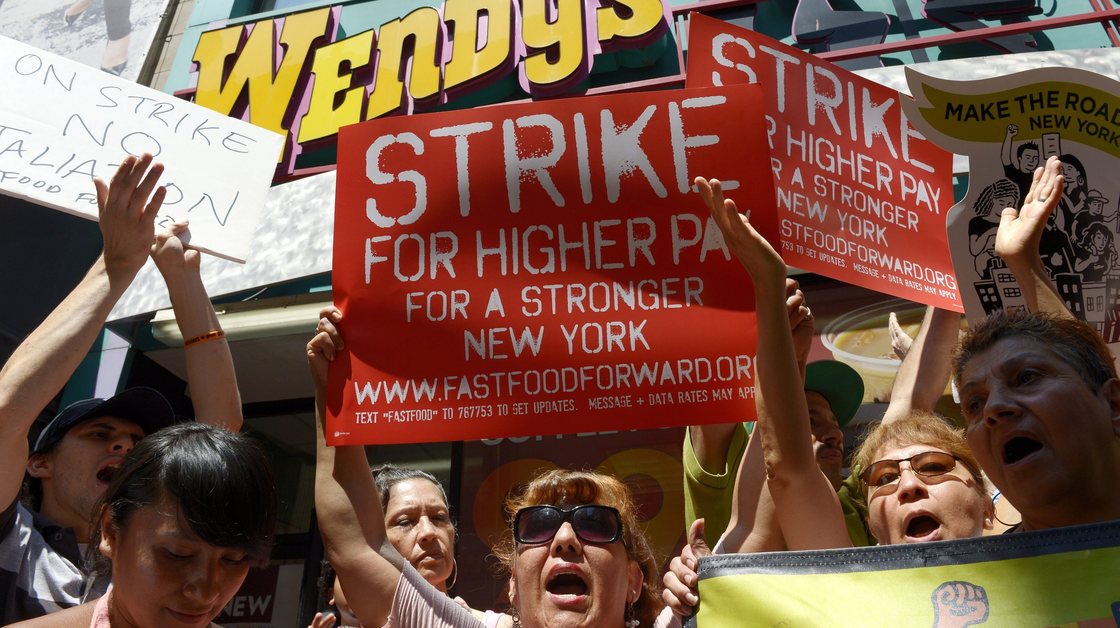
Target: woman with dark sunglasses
[
  {"x": 575, "y": 555},
  {"x": 576, "y": 535}
]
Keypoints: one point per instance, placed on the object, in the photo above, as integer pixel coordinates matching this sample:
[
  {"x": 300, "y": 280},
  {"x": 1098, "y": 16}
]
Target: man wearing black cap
[{"x": 75, "y": 455}]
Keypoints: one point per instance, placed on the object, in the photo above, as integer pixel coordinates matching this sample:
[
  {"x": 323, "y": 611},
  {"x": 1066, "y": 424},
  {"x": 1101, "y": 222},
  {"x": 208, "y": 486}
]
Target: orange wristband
[{"x": 207, "y": 337}]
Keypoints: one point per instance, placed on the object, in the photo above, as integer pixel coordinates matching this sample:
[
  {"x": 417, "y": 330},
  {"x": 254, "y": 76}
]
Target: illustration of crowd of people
[
  {"x": 1077, "y": 238},
  {"x": 1077, "y": 244},
  {"x": 120, "y": 513}
]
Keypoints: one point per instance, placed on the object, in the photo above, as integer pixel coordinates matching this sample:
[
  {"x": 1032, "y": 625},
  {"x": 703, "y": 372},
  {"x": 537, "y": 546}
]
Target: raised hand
[
  {"x": 210, "y": 363},
  {"x": 1019, "y": 235},
  {"x": 800, "y": 321},
  {"x": 900, "y": 340},
  {"x": 752, "y": 250},
  {"x": 806, "y": 504},
  {"x": 1020, "y": 229},
  {"x": 324, "y": 346},
  {"x": 171, "y": 254},
  {"x": 126, "y": 209}
]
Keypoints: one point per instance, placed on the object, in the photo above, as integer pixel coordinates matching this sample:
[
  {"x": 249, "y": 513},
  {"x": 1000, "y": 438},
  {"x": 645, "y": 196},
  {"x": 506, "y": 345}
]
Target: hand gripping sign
[
  {"x": 1008, "y": 126},
  {"x": 545, "y": 268},
  {"x": 66, "y": 123},
  {"x": 861, "y": 195}
]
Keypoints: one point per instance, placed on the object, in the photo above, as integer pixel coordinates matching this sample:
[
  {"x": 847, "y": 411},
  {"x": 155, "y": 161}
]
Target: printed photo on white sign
[{"x": 113, "y": 35}]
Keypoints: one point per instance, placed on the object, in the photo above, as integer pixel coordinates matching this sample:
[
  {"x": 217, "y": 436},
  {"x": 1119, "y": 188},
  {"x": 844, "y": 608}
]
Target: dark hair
[
  {"x": 561, "y": 487},
  {"x": 1073, "y": 161},
  {"x": 221, "y": 482},
  {"x": 986, "y": 201},
  {"x": 32, "y": 492},
  {"x": 325, "y": 584},
  {"x": 1078, "y": 192},
  {"x": 1024, "y": 147},
  {"x": 1093, "y": 229},
  {"x": 1073, "y": 341},
  {"x": 389, "y": 475}
]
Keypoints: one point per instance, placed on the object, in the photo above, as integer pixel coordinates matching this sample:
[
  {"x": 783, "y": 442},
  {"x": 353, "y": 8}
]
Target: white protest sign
[{"x": 62, "y": 123}]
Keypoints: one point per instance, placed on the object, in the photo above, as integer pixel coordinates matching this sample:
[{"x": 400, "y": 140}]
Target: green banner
[{"x": 1064, "y": 577}]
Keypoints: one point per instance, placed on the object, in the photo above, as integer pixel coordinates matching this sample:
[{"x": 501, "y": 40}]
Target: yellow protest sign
[
  {"x": 1064, "y": 577},
  {"x": 1081, "y": 113}
]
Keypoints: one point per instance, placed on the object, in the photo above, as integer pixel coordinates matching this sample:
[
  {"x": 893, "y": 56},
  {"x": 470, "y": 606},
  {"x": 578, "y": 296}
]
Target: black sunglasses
[
  {"x": 927, "y": 464},
  {"x": 592, "y": 523}
]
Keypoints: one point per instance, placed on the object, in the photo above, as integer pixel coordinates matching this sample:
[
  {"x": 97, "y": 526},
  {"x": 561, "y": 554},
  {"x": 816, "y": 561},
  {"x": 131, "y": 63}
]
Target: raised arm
[
  {"x": 807, "y": 506},
  {"x": 210, "y": 372},
  {"x": 1005, "y": 152},
  {"x": 46, "y": 359},
  {"x": 1019, "y": 234},
  {"x": 346, "y": 501},
  {"x": 926, "y": 369},
  {"x": 754, "y": 525},
  {"x": 727, "y": 469}
]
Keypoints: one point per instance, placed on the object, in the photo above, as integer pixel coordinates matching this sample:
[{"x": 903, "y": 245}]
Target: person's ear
[
  {"x": 108, "y": 543},
  {"x": 512, "y": 588},
  {"x": 634, "y": 580},
  {"x": 989, "y": 513},
  {"x": 39, "y": 466}
]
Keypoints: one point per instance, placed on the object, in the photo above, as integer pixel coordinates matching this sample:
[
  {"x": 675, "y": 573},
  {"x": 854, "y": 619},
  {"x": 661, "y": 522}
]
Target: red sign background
[
  {"x": 862, "y": 196},
  {"x": 545, "y": 268}
]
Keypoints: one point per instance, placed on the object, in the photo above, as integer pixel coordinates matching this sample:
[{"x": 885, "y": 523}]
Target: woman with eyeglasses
[
  {"x": 917, "y": 491},
  {"x": 923, "y": 483},
  {"x": 575, "y": 554}
]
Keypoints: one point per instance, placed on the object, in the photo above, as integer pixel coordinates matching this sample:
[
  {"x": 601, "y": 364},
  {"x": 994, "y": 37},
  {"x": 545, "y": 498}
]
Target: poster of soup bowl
[{"x": 853, "y": 327}]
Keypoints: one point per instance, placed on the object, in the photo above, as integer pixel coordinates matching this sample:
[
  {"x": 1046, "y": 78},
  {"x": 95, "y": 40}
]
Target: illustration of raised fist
[{"x": 957, "y": 604}]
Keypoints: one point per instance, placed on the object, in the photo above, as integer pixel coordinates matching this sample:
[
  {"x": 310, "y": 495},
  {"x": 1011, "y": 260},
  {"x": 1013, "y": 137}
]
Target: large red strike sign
[
  {"x": 862, "y": 196},
  {"x": 545, "y": 268}
]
